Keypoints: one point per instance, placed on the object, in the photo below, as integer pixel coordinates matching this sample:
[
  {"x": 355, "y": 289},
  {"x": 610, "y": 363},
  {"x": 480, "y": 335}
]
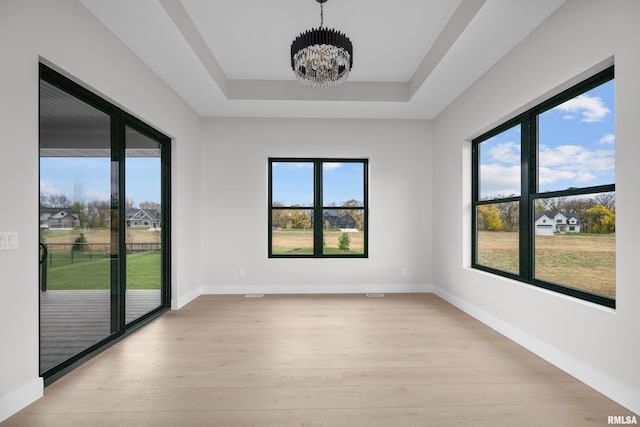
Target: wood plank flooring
[
  {"x": 331, "y": 360},
  {"x": 72, "y": 321}
]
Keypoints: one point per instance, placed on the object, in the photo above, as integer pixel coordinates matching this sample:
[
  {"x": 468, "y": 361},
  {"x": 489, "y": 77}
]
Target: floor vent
[
  {"x": 254, "y": 295},
  {"x": 375, "y": 295}
]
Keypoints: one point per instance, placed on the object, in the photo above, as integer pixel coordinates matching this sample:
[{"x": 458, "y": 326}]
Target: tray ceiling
[{"x": 230, "y": 58}]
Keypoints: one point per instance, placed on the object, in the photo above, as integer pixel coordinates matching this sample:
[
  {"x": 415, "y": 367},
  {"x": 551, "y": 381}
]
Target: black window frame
[
  {"x": 318, "y": 207},
  {"x": 529, "y": 190}
]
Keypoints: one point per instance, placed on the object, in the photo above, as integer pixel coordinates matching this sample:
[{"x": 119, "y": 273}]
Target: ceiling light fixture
[{"x": 321, "y": 57}]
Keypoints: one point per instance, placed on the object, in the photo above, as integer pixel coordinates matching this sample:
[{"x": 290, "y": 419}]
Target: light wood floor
[{"x": 348, "y": 360}]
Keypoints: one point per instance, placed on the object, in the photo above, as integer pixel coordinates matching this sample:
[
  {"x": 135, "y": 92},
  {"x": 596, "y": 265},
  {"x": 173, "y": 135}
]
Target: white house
[{"x": 550, "y": 223}]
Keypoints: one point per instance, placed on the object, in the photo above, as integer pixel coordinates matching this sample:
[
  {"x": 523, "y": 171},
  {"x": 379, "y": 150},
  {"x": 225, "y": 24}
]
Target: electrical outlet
[
  {"x": 242, "y": 273},
  {"x": 404, "y": 272}
]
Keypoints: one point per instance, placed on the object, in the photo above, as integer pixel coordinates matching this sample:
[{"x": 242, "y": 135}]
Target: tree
[
  {"x": 489, "y": 218},
  {"x": 97, "y": 213},
  {"x": 80, "y": 243},
  {"x": 149, "y": 205},
  {"x": 510, "y": 215},
  {"x": 58, "y": 201},
  {"x": 600, "y": 219},
  {"x": 290, "y": 218},
  {"x": 579, "y": 208},
  {"x": 300, "y": 219},
  {"x": 608, "y": 200},
  {"x": 557, "y": 204},
  {"x": 540, "y": 205},
  {"x": 357, "y": 215},
  {"x": 81, "y": 210},
  {"x": 129, "y": 203},
  {"x": 344, "y": 241}
]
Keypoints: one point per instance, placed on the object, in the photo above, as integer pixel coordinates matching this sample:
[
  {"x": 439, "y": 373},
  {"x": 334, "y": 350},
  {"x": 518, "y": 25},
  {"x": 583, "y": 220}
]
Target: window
[
  {"x": 555, "y": 161},
  {"x": 318, "y": 207}
]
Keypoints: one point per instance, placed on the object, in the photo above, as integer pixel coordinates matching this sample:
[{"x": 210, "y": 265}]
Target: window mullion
[
  {"x": 475, "y": 164},
  {"x": 528, "y": 182},
  {"x": 317, "y": 209}
]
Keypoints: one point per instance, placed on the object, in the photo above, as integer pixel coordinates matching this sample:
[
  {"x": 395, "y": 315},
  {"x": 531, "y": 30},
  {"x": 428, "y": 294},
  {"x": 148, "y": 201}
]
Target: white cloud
[
  {"x": 300, "y": 165},
  {"x": 608, "y": 138},
  {"x": 549, "y": 175},
  {"x": 572, "y": 163},
  {"x": 509, "y": 152},
  {"x": 603, "y": 161},
  {"x": 591, "y": 108},
  {"x": 499, "y": 180},
  {"x": 575, "y": 163},
  {"x": 293, "y": 165},
  {"x": 559, "y": 155},
  {"x": 331, "y": 166},
  {"x": 48, "y": 188},
  {"x": 585, "y": 177}
]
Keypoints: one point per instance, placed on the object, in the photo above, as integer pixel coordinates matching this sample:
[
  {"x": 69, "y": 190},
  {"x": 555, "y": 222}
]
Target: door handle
[{"x": 44, "y": 252}]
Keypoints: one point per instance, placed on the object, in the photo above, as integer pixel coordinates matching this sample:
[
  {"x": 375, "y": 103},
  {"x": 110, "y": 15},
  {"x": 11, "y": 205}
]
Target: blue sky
[
  {"x": 576, "y": 147},
  {"x": 85, "y": 179},
  {"x": 293, "y": 183}
]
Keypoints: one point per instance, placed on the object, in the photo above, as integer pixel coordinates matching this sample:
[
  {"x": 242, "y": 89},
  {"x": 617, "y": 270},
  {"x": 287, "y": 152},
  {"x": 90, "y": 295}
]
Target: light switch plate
[{"x": 8, "y": 240}]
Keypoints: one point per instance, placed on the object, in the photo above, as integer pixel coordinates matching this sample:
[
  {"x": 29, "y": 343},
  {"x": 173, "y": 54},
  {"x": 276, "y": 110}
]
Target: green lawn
[
  {"x": 143, "y": 272},
  {"x": 309, "y": 251},
  {"x": 59, "y": 258}
]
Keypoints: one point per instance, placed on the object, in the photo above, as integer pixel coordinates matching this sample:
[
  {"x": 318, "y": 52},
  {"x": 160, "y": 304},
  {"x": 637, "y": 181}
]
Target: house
[
  {"x": 550, "y": 223},
  {"x": 143, "y": 218},
  {"x": 217, "y": 85},
  {"x": 59, "y": 218},
  {"x": 336, "y": 219}
]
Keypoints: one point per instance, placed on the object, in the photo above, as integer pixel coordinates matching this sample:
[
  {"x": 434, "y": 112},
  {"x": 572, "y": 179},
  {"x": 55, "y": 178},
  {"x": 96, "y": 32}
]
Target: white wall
[
  {"x": 69, "y": 37},
  {"x": 234, "y": 204},
  {"x": 598, "y": 345}
]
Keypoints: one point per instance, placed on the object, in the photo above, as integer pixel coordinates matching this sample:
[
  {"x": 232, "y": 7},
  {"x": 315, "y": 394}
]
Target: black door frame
[{"x": 120, "y": 120}]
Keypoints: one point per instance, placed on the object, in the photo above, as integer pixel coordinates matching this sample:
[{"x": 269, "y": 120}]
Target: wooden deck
[{"x": 71, "y": 321}]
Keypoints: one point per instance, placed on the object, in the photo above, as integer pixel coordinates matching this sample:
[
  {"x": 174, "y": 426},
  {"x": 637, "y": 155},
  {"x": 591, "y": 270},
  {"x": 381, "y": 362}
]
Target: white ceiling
[{"x": 231, "y": 58}]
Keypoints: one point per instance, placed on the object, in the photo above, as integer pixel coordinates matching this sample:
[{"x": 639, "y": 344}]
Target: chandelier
[{"x": 321, "y": 57}]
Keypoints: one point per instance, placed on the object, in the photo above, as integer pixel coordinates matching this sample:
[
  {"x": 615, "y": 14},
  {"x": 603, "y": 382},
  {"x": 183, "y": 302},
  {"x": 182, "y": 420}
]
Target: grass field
[
  {"x": 300, "y": 242},
  {"x": 143, "y": 272},
  {"x": 580, "y": 261},
  {"x": 98, "y": 235}
]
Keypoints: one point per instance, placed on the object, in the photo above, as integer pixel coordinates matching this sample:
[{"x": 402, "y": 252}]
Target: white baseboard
[
  {"x": 181, "y": 301},
  {"x": 21, "y": 397},
  {"x": 594, "y": 378},
  {"x": 315, "y": 289}
]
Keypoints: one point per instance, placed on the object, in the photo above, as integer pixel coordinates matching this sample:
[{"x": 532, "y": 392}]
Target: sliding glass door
[
  {"x": 143, "y": 224},
  {"x": 104, "y": 201},
  {"x": 75, "y": 285}
]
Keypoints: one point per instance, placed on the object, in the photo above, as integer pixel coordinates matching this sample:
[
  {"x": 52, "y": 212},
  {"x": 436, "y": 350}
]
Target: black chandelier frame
[{"x": 321, "y": 36}]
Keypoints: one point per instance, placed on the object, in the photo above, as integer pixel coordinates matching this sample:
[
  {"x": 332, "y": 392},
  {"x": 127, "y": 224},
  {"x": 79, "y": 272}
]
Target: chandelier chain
[{"x": 321, "y": 15}]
